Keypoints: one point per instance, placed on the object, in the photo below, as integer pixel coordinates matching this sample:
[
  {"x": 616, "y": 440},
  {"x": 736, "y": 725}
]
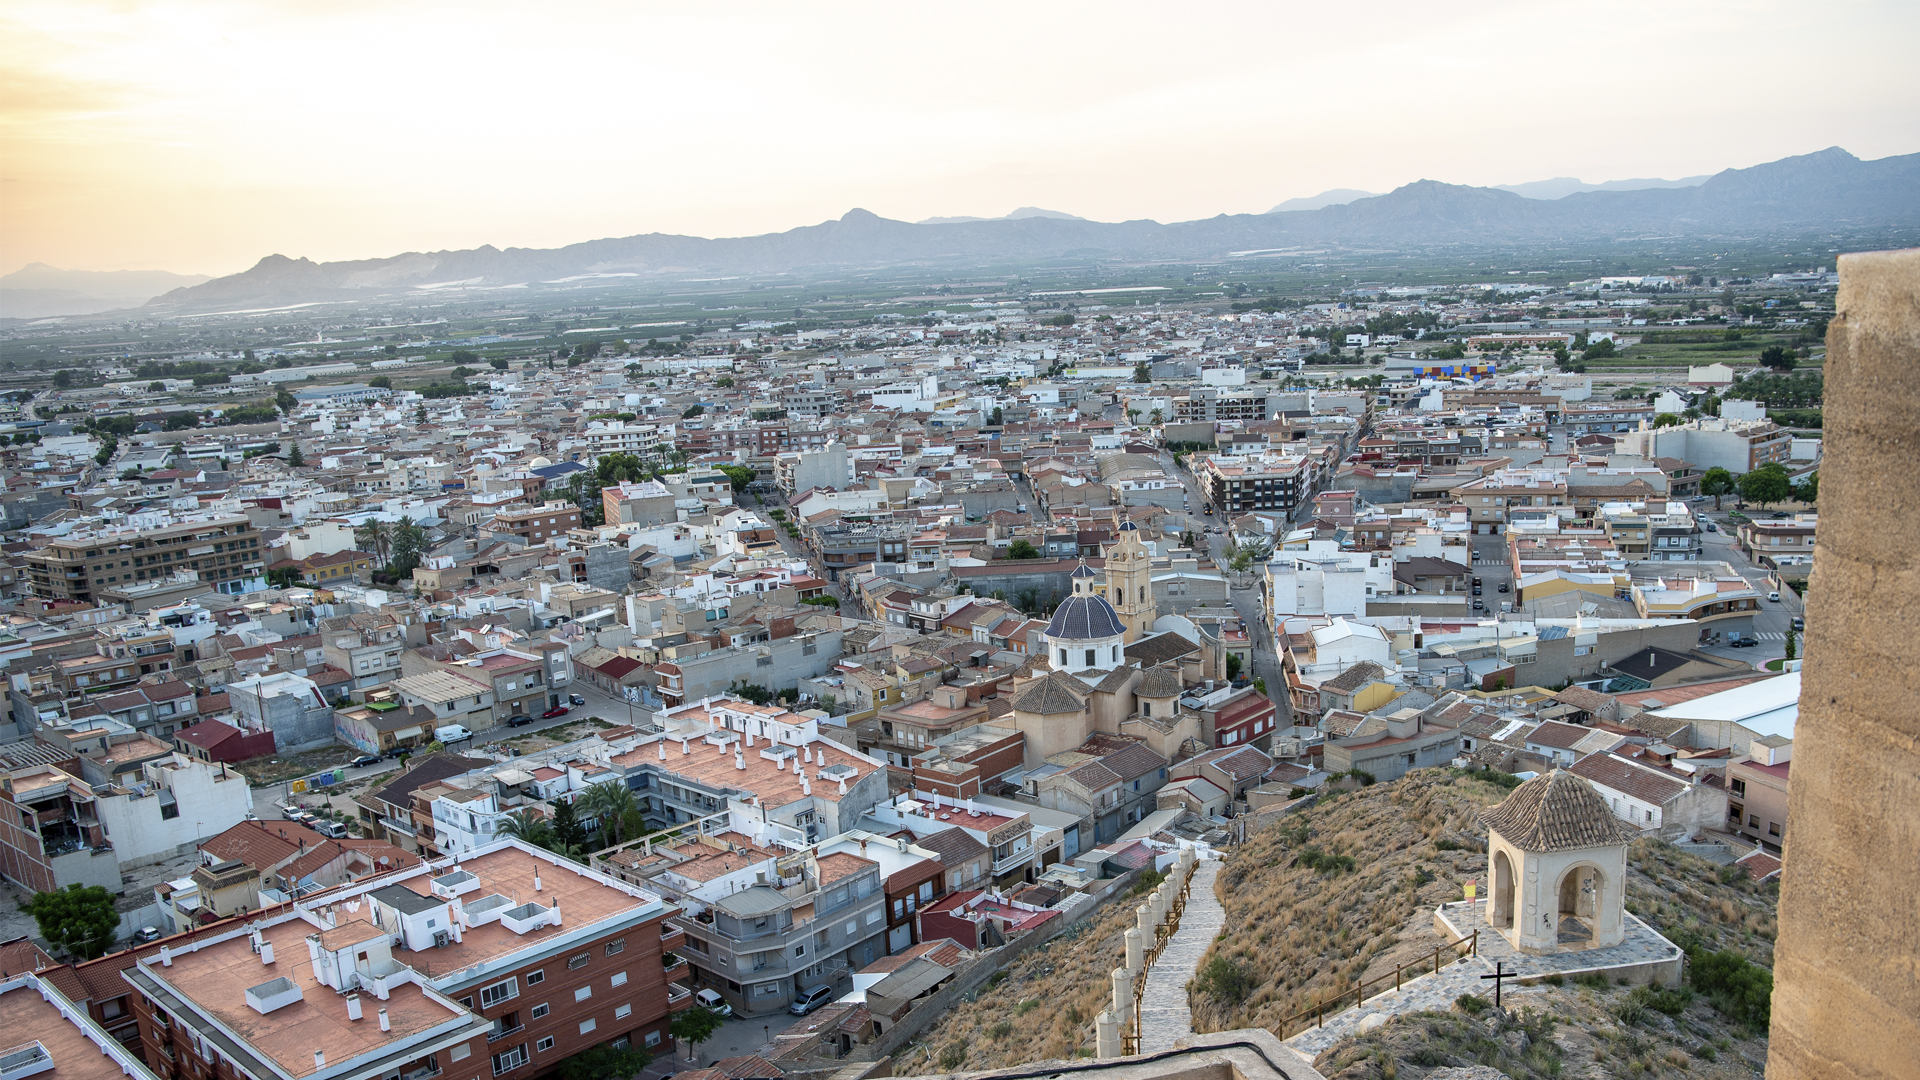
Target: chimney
[
  {"x": 686, "y": 747},
  {"x": 385, "y": 1024},
  {"x": 663, "y": 749},
  {"x": 353, "y": 1006},
  {"x": 536, "y": 881},
  {"x": 556, "y": 911},
  {"x": 166, "y": 956},
  {"x": 806, "y": 752},
  {"x": 266, "y": 952},
  {"x": 319, "y": 1059}
]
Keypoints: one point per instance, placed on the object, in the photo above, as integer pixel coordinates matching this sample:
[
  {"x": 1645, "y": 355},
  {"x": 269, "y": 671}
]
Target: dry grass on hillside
[
  {"x": 1041, "y": 1010},
  {"x": 1305, "y": 926}
]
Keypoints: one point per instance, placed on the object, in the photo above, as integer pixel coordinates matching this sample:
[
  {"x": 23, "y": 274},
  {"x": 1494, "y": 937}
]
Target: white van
[
  {"x": 711, "y": 999},
  {"x": 451, "y": 734}
]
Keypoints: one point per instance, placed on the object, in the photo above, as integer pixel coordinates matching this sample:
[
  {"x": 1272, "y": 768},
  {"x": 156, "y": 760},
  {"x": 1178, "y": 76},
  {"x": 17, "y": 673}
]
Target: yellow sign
[{"x": 1472, "y": 886}]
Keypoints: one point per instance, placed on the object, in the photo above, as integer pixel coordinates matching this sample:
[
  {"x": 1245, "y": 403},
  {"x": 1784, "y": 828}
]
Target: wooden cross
[{"x": 1499, "y": 974}]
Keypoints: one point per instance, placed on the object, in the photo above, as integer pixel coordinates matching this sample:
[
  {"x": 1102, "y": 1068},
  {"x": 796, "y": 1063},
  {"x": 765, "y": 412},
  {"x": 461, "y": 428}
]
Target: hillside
[
  {"x": 1826, "y": 191},
  {"x": 1299, "y": 934}
]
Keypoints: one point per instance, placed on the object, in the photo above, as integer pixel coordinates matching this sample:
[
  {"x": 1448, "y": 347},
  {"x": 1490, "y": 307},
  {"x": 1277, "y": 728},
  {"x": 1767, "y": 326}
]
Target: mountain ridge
[{"x": 1814, "y": 192}]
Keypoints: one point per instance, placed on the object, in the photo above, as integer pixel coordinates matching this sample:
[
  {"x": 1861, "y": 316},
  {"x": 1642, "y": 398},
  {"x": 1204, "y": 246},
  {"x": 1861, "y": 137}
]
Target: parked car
[
  {"x": 448, "y": 734},
  {"x": 288, "y": 810},
  {"x": 1780, "y": 515},
  {"x": 146, "y": 934},
  {"x": 810, "y": 999},
  {"x": 557, "y": 710},
  {"x": 364, "y": 759},
  {"x": 1476, "y": 588},
  {"x": 1774, "y": 596},
  {"x": 1799, "y": 623},
  {"x": 520, "y": 720},
  {"x": 1504, "y": 587},
  {"x": 1711, "y": 527},
  {"x": 1476, "y": 583},
  {"x": 576, "y": 699},
  {"x": 1738, "y": 642},
  {"x": 1479, "y": 605},
  {"x": 713, "y": 1002}
]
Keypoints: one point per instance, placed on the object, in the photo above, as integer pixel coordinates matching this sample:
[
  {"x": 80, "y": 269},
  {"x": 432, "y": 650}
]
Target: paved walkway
[{"x": 1166, "y": 1019}]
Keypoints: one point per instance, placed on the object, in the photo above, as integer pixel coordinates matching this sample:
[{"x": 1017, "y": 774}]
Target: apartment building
[
  {"x": 135, "y": 803},
  {"x": 48, "y": 1032},
  {"x": 536, "y": 524},
  {"x": 1738, "y": 446},
  {"x": 844, "y": 547},
  {"x": 222, "y": 550},
  {"x": 1652, "y": 532},
  {"x": 1779, "y": 543},
  {"x": 1489, "y": 499},
  {"x": 1241, "y": 484},
  {"x": 1757, "y": 797},
  {"x": 1212, "y": 403},
  {"x": 365, "y": 645},
  {"x": 523, "y": 683},
  {"x": 602, "y": 438},
  {"x": 435, "y": 969}
]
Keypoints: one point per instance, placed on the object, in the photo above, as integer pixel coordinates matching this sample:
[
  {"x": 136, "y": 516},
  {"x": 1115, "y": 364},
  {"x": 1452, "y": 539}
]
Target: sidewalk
[{"x": 1166, "y": 1018}]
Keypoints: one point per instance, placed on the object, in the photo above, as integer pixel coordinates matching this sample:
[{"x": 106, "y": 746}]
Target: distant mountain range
[
  {"x": 39, "y": 291},
  {"x": 1822, "y": 192},
  {"x": 1557, "y": 188},
  {"x": 1023, "y": 212}
]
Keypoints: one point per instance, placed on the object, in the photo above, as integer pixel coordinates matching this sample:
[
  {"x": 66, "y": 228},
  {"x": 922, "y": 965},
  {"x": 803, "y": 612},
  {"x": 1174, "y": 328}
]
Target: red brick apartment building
[{"x": 505, "y": 961}]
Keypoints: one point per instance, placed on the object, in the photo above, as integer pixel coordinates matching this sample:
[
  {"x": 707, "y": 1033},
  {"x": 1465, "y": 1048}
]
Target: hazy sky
[{"x": 198, "y": 136}]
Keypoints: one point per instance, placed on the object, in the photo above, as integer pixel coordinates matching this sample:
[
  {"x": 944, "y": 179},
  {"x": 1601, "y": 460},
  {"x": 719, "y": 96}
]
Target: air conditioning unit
[{"x": 441, "y": 939}]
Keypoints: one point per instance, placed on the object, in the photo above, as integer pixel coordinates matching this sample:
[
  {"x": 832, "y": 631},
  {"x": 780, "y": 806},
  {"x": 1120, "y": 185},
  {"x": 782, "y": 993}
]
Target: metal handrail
[
  {"x": 1162, "y": 934},
  {"x": 1318, "y": 1013}
]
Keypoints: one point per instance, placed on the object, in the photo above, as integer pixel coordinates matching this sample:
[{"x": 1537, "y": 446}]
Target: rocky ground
[{"x": 1569, "y": 1031}]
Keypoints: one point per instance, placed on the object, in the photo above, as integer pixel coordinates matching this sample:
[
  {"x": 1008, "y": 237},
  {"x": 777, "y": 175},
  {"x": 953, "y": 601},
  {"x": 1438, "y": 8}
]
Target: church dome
[
  {"x": 538, "y": 463},
  {"x": 1084, "y": 618},
  {"x": 1129, "y": 527},
  {"x": 1085, "y": 571}
]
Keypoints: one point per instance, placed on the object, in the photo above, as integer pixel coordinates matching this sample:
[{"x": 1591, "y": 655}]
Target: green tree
[
  {"x": 284, "y": 401},
  {"x": 724, "y": 380},
  {"x": 1716, "y": 482},
  {"x": 1665, "y": 419},
  {"x": 1808, "y": 490},
  {"x": 1599, "y": 350},
  {"x": 63, "y": 378},
  {"x": 612, "y": 804},
  {"x": 741, "y": 476},
  {"x": 1790, "y": 643},
  {"x": 1142, "y": 373},
  {"x": 583, "y": 492},
  {"x": 995, "y": 419},
  {"x": 1022, "y": 549},
  {"x": 375, "y": 538},
  {"x": 409, "y": 540},
  {"x": 618, "y": 468},
  {"x": 156, "y": 387},
  {"x": 1065, "y": 318},
  {"x": 295, "y": 458},
  {"x": 1778, "y": 358},
  {"x": 1766, "y": 485},
  {"x": 468, "y": 356},
  {"x": 1233, "y": 665},
  {"x": 381, "y": 381},
  {"x": 694, "y": 1026},
  {"x": 78, "y": 920},
  {"x": 569, "y": 836},
  {"x": 528, "y": 827},
  {"x": 285, "y": 577},
  {"x": 692, "y": 411},
  {"x": 604, "y": 1062}
]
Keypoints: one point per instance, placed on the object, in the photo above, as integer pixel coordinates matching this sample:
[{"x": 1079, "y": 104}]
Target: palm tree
[
  {"x": 526, "y": 826},
  {"x": 611, "y": 803},
  {"x": 375, "y": 538}
]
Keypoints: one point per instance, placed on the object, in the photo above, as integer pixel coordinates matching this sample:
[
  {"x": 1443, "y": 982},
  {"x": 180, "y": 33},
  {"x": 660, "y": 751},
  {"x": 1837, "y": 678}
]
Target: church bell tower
[{"x": 1130, "y": 583}]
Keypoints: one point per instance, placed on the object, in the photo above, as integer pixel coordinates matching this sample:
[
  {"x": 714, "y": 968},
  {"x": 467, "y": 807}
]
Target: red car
[{"x": 557, "y": 710}]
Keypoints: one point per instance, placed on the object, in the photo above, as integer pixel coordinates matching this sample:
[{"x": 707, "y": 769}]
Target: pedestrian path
[{"x": 1166, "y": 1019}]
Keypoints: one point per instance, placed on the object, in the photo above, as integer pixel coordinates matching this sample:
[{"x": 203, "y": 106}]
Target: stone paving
[
  {"x": 1439, "y": 991},
  {"x": 1166, "y": 1019}
]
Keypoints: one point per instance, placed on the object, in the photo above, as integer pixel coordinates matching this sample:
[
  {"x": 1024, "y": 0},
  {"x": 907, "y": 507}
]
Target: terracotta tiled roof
[
  {"x": 1158, "y": 682},
  {"x": 1048, "y": 697},
  {"x": 1556, "y": 812},
  {"x": 1354, "y": 678},
  {"x": 1642, "y": 782}
]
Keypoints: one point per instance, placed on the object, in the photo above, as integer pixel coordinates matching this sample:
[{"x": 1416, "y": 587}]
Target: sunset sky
[{"x": 199, "y": 136}]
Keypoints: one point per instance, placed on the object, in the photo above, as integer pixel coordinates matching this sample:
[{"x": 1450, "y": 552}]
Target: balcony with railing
[
  {"x": 678, "y": 997},
  {"x": 672, "y": 938},
  {"x": 428, "y": 1068},
  {"x": 673, "y": 965}
]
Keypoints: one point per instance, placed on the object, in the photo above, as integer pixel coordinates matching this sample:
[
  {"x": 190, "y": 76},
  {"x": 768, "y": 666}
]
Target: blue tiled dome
[
  {"x": 1085, "y": 571},
  {"x": 1083, "y": 618}
]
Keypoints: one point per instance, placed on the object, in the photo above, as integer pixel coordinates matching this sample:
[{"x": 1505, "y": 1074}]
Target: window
[
  {"x": 499, "y": 992},
  {"x": 467, "y": 1002},
  {"x": 583, "y": 993},
  {"x": 577, "y": 960},
  {"x": 544, "y": 1044},
  {"x": 622, "y": 1012},
  {"x": 509, "y": 1059},
  {"x": 1773, "y": 828},
  {"x": 538, "y": 1011},
  {"x": 1649, "y": 815},
  {"x": 588, "y": 1025},
  {"x": 652, "y": 1039},
  {"x": 1738, "y": 787},
  {"x": 619, "y": 979},
  {"x": 616, "y": 945}
]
